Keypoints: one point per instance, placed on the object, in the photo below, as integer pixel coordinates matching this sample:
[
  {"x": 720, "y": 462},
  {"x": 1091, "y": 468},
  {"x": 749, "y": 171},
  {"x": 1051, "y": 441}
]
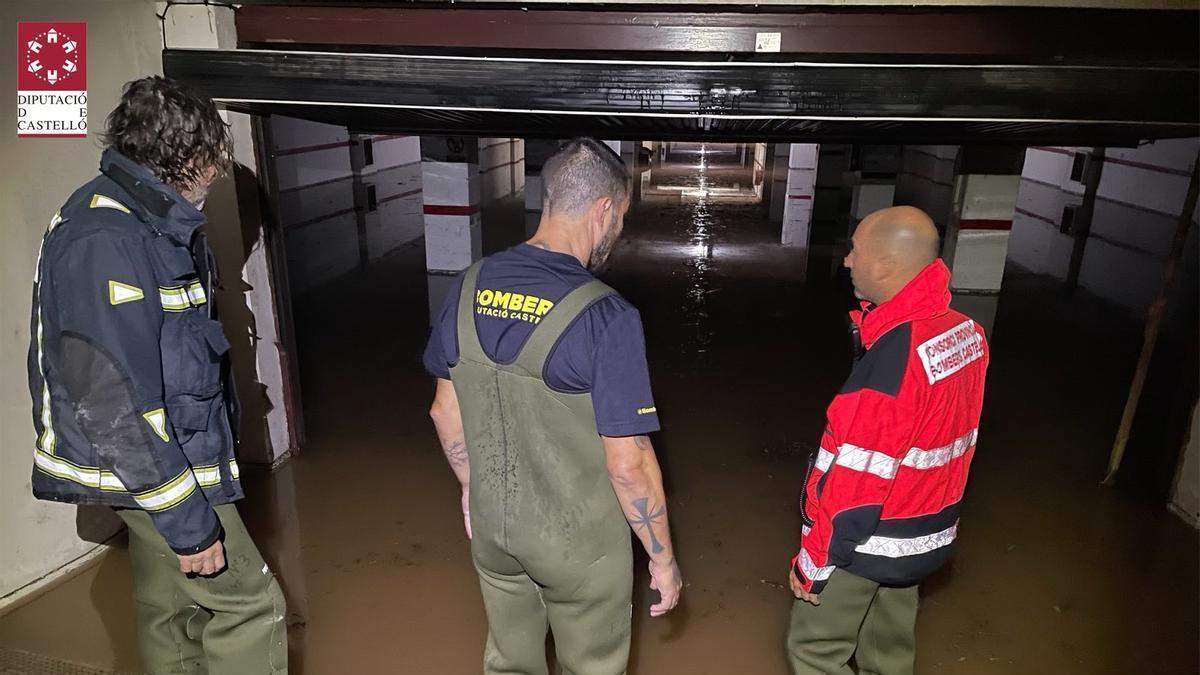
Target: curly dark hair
[{"x": 170, "y": 129}]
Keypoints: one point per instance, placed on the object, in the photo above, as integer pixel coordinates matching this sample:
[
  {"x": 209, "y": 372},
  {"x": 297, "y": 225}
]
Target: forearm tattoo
[
  {"x": 647, "y": 519},
  {"x": 456, "y": 453}
]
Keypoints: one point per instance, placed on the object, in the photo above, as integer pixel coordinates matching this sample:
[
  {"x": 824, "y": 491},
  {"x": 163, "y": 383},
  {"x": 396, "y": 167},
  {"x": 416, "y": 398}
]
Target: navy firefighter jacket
[{"x": 132, "y": 403}]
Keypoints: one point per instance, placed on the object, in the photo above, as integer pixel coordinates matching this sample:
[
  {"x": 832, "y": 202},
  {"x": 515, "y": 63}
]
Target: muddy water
[{"x": 1053, "y": 574}]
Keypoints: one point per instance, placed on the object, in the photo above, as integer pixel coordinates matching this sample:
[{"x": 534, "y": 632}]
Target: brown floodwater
[{"x": 1053, "y": 574}]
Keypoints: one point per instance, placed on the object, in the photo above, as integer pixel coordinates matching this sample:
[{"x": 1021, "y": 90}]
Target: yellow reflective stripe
[
  {"x": 207, "y": 476},
  {"x": 234, "y": 470},
  {"x": 169, "y": 494},
  {"x": 47, "y": 441},
  {"x": 102, "y": 202},
  {"x": 89, "y": 476},
  {"x": 95, "y": 477},
  {"x": 195, "y": 293},
  {"x": 179, "y": 298},
  {"x": 120, "y": 293},
  {"x": 157, "y": 419}
]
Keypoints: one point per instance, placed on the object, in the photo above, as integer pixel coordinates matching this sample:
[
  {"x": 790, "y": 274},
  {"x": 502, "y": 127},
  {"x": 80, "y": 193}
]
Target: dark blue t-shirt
[{"x": 602, "y": 352}]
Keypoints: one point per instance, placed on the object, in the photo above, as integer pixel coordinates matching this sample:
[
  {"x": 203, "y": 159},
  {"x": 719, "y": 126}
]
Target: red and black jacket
[{"x": 882, "y": 495}]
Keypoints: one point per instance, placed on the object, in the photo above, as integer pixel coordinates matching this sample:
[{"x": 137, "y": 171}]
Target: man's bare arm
[
  {"x": 637, "y": 481},
  {"x": 447, "y": 419}
]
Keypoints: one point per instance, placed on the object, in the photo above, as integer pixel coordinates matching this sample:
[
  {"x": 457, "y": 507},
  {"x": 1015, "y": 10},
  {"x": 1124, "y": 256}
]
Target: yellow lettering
[
  {"x": 485, "y": 297},
  {"x": 501, "y": 298},
  {"x": 543, "y": 307},
  {"x": 515, "y": 303},
  {"x": 530, "y": 304}
]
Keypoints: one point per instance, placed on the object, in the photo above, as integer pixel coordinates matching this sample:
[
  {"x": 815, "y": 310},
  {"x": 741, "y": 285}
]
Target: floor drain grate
[{"x": 16, "y": 662}]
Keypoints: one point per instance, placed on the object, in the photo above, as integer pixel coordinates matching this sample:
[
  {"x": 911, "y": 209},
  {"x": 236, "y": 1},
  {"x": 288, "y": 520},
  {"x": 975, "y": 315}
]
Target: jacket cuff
[
  {"x": 208, "y": 540},
  {"x": 810, "y": 585}
]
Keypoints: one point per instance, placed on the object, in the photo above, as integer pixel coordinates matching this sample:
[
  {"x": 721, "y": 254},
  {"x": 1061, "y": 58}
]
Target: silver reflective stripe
[
  {"x": 824, "y": 459},
  {"x": 48, "y": 440},
  {"x": 179, "y": 298},
  {"x": 867, "y": 461},
  {"x": 811, "y": 570},
  {"x": 89, "y": 476},
  {"x": 929, "y": 459},
  {"x": 889, "y": 547},
  {"x": 207, "y": 476},
  {"x": 168, "y": 495}
]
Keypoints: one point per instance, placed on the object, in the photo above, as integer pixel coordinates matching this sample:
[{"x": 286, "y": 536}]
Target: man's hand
[
  {"x": 667, "y": 581},
  {"x": 205, "y": 563},
  {"x": 466, "y": 509},
  {"x": 799, "y": 592}
]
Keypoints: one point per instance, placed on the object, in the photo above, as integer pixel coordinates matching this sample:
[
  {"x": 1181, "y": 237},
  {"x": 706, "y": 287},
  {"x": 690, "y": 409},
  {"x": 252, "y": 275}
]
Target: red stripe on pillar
[
  {"x": 984, "y": 224},
  {"x": 449, "y": 210}
]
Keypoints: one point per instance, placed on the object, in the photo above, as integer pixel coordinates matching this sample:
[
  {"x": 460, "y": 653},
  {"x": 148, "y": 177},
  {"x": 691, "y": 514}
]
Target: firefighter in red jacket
[{"x": 881, "y": 499}]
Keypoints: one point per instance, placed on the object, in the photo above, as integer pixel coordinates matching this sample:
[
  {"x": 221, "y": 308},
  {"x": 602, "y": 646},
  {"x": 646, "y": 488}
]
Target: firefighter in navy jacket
[
  {"x": 132, "y": 402},
  {"x": 881, "y": 500}
]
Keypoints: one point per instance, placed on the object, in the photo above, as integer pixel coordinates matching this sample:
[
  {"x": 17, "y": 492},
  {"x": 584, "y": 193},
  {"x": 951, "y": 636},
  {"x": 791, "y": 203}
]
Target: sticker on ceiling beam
[{"x": 767, "y": 42}]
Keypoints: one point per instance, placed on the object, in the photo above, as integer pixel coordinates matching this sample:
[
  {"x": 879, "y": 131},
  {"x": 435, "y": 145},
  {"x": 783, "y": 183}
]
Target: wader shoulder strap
[
  {"x": 547, "y": 333},
  {"x": 468, "y": 338}
]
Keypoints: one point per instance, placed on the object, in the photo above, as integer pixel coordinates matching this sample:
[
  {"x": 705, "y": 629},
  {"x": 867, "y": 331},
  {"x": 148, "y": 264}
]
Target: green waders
[
  {"x": 857, "y": 617},
  {"x": 550, "y": 543},
  {"x": 229, "y": 624}
]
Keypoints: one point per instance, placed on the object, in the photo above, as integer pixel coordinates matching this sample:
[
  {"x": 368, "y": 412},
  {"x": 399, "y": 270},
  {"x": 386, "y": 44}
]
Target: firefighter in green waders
[{"x": 543, "y": 407}]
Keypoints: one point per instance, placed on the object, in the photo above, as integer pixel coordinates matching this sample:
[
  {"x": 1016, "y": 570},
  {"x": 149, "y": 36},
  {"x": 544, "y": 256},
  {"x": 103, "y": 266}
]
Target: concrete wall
[
  {"x": 1132, "y": 226},
  {"x": 397, "y": 219},
  {"x": 124, "y": 42},
  {"x": 316, "y": 200}
]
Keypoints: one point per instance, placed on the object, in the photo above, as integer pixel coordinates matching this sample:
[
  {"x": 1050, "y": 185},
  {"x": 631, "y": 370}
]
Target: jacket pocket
[{"x": 193, "y": 348}]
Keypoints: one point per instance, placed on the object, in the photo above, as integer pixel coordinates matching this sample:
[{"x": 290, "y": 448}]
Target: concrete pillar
[
  {"x": 801, "y": 181},
  {"x": 926, "y": 180},
  {"x": 976, "y": 240},
  {"x": 537, "y": 151},
  {"x": 779, "y": 179},
  {"x": 450, "y": 193}
]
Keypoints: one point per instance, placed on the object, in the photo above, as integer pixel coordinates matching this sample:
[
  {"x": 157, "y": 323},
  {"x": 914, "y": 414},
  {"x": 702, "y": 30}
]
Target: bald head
[{"x": 890, "y": 247}]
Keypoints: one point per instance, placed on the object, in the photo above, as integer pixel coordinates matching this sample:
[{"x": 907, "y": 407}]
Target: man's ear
[{"x": 599, "y": 213}]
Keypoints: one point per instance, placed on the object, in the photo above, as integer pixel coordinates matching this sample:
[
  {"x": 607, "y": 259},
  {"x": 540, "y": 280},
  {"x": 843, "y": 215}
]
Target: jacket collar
[
  {"x": 157, "y": 204},
  {"x": 926, "y": 296}
]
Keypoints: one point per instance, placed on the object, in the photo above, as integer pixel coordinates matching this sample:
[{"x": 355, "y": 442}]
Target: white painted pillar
[
  {"x": 779, "y": 180},
  {"x": 450, "y": 191},
  {"x": 801, "y": 183},
  {"x": 976, "y": 242}
]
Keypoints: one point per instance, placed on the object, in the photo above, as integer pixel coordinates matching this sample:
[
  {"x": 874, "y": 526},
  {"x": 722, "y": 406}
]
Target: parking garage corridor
[{"x": 1053, "y": 573}]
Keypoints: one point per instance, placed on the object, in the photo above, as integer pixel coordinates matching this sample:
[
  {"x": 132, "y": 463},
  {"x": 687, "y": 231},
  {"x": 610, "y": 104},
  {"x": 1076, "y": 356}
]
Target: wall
[
  {"x": 398, "y": 219},
  {"x": 316, "y": 200},
  {"x": 1138, "y": 200},
  {"x": 501, "y": 168},
  {"x": 1185, "y": 497},
  {"x": 926, "y": 180},
  {"x": 124, "y": 42}
]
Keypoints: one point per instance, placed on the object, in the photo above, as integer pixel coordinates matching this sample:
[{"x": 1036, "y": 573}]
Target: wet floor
[{"x": 1053, "y": 574}]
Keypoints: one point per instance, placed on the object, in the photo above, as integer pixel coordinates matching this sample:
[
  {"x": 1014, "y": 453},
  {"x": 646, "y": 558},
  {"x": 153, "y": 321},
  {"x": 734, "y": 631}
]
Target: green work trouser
[
  {"x": 232, "y": 623},
  {"x": 857, "y": 617},
  {"x": 588, "y": 608}
]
